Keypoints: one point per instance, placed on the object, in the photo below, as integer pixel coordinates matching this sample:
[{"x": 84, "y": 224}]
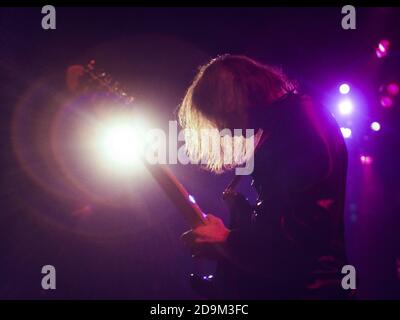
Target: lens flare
[{"x": 386, "y": 102}]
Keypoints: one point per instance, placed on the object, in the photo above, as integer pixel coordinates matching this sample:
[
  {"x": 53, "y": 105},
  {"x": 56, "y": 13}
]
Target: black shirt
[{"x": 294, "y": 246}]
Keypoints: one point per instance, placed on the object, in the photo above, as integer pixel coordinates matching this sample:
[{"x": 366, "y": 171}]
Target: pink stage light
[
  {"x": 386, "y": 102},
  {"x": 366, "y": 159},
  {"x": 393, "y": 88},
  {"x": 383, "y": 48}
]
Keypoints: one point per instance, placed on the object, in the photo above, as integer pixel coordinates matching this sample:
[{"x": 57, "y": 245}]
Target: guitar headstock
[{"x": 90, "y": 78}]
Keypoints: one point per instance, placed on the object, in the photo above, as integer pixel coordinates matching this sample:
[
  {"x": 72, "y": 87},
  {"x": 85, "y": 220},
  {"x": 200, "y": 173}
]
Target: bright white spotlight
[
  {"x": 121, "y": 142},
  {"x": 344, "y": 88},
  {"x": 346, "y": 132},
  {"x": 375, "y": 126},
  {"x": 345, "y": 107}
]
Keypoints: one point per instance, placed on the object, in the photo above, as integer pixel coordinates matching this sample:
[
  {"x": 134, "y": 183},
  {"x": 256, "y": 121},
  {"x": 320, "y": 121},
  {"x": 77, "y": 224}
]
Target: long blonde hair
[{"x": 223, "y": 95}]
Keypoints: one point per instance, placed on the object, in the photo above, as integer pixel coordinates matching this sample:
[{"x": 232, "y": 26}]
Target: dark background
[{"x": 133, "y": 251}]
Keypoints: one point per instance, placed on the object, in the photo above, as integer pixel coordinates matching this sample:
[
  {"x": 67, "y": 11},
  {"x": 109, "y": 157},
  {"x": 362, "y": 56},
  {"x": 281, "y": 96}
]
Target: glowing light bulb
[
  {"x": 346, "y": 132},
  {"x": 345, "y": 107},
  {"x": 375, "y": 126},
  {"x": 344, "y": 88}
]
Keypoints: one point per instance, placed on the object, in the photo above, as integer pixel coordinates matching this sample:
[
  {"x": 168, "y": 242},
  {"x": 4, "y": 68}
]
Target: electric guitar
[{"x": 84, "y": 78}]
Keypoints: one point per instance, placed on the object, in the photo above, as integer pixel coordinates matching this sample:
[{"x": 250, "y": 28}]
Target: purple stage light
[
  {"x": 344, "y": 88},
  {"x": 393, "y": 88},
  {"x": 375, "y": 126},
  {"x": 345, "y": 107}
]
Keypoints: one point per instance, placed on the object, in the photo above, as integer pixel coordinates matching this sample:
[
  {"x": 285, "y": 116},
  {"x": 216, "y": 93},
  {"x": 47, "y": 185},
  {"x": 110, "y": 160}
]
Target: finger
[
  {"x": 206, "y": 220},
  {"x": 193, "y": 237},
  {"x": 211, "y": 218},
  {"x": 201, "y": 240},
  {"x": 200, "y": 232}
]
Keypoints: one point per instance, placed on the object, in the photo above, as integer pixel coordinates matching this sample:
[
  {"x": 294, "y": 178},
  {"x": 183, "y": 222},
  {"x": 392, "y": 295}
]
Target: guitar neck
[{"x": 177, "y": 193}]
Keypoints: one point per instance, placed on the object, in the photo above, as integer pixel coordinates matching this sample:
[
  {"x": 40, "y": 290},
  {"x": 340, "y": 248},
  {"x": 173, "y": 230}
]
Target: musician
[{"x": 293, "y": 245}]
